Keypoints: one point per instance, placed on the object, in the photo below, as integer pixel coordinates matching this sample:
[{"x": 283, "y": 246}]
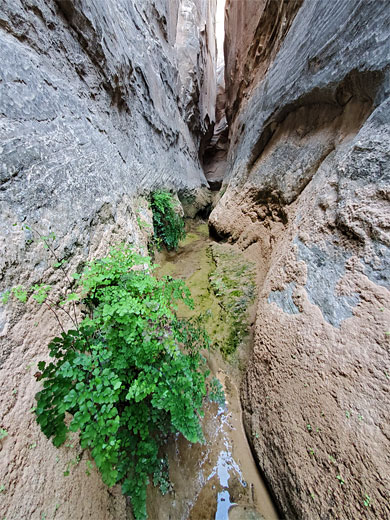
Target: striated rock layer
[
  {"x": 97, "y": 106},
  {"x": 309, "y": 182}
]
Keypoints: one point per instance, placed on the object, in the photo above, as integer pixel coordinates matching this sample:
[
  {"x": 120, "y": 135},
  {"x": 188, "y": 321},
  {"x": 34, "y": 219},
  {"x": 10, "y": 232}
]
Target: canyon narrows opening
[{"x": 215, "y": 152}]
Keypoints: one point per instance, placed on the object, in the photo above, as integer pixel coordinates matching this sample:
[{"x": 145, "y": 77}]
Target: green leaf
[
  {"x": 20, "y": 293},
  {"x": 40, "y": 292},
  {"x": 129, "y": 375},
  {"x": 5, "y": 297},
  {"x": 72, "y": 297}
]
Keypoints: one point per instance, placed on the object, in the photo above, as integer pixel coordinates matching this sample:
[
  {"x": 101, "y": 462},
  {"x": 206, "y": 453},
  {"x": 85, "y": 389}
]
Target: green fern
[
  {"x": 168, "y": 225},
  {"x": 128, "y": 376}
]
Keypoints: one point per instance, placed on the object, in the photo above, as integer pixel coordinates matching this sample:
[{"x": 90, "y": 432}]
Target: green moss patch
[
  {"x": 222, "y": 284},
  {"x": 233, "y": 282}
]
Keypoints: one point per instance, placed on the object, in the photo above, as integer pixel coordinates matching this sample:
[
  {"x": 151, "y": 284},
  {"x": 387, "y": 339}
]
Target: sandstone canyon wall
[
  {"x": 308, "y": 189},
  {"x": 102, "y": 101},
  {"x": 98, "y": 105}
]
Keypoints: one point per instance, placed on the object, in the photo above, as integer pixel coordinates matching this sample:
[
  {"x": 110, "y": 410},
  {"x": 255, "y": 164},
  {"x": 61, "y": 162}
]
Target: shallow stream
[{"x": 219, "y": 479}]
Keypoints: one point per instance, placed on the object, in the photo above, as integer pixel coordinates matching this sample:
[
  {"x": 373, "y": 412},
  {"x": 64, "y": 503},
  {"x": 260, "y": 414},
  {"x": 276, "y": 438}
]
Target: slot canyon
[{"x": 268, "y": 121}]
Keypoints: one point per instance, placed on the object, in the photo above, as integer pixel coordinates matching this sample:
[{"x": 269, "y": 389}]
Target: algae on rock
[
  {"x": 222, "y": 284},
  {"x": 233, "y": 283}
]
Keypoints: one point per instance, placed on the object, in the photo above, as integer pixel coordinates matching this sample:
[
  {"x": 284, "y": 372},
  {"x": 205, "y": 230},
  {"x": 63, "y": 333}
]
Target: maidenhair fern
[
  {"x": 167, "y": 223},
  {"x": 126, "y": 376},
  {"x": 129, "y": 375}
]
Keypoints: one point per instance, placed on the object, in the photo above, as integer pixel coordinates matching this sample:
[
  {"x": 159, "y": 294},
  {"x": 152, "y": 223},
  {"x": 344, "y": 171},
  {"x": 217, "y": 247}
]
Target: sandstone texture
[
  {"x": 98, "y": 106},
  {"x": 308, "y": 185}
]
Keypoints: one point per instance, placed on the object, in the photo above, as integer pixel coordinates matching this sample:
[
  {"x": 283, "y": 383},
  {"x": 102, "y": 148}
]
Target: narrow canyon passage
[
  {"x": 215, "y": 152},
  {"x": 218, "y": 479},
  {"x": 269, "y": 118}
]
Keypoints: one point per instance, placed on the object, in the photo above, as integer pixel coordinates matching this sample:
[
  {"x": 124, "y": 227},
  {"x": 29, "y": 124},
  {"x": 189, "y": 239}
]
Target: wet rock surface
[
  {"x": 220, "y": 478},
  {"x": 309, "y": 177}
]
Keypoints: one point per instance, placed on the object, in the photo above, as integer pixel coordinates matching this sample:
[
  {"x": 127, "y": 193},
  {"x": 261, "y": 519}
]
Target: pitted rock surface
[{"x": 308, "y": 186}]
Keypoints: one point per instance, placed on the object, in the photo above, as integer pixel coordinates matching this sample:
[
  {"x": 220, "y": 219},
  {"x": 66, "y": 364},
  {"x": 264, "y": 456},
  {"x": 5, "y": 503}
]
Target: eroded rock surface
[
  {"x": 309, "y": 182},
  {"x": 96, "y": 108},
  {"x": 214, "y": 158}
]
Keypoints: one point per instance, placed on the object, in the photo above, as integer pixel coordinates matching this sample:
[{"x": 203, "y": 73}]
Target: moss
[
  {"x": 190, "y": 237},
  {"x": 222, "y": 285},
  {"x": 202, "y": 229},
  {"x": 233, "y": 282}
]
